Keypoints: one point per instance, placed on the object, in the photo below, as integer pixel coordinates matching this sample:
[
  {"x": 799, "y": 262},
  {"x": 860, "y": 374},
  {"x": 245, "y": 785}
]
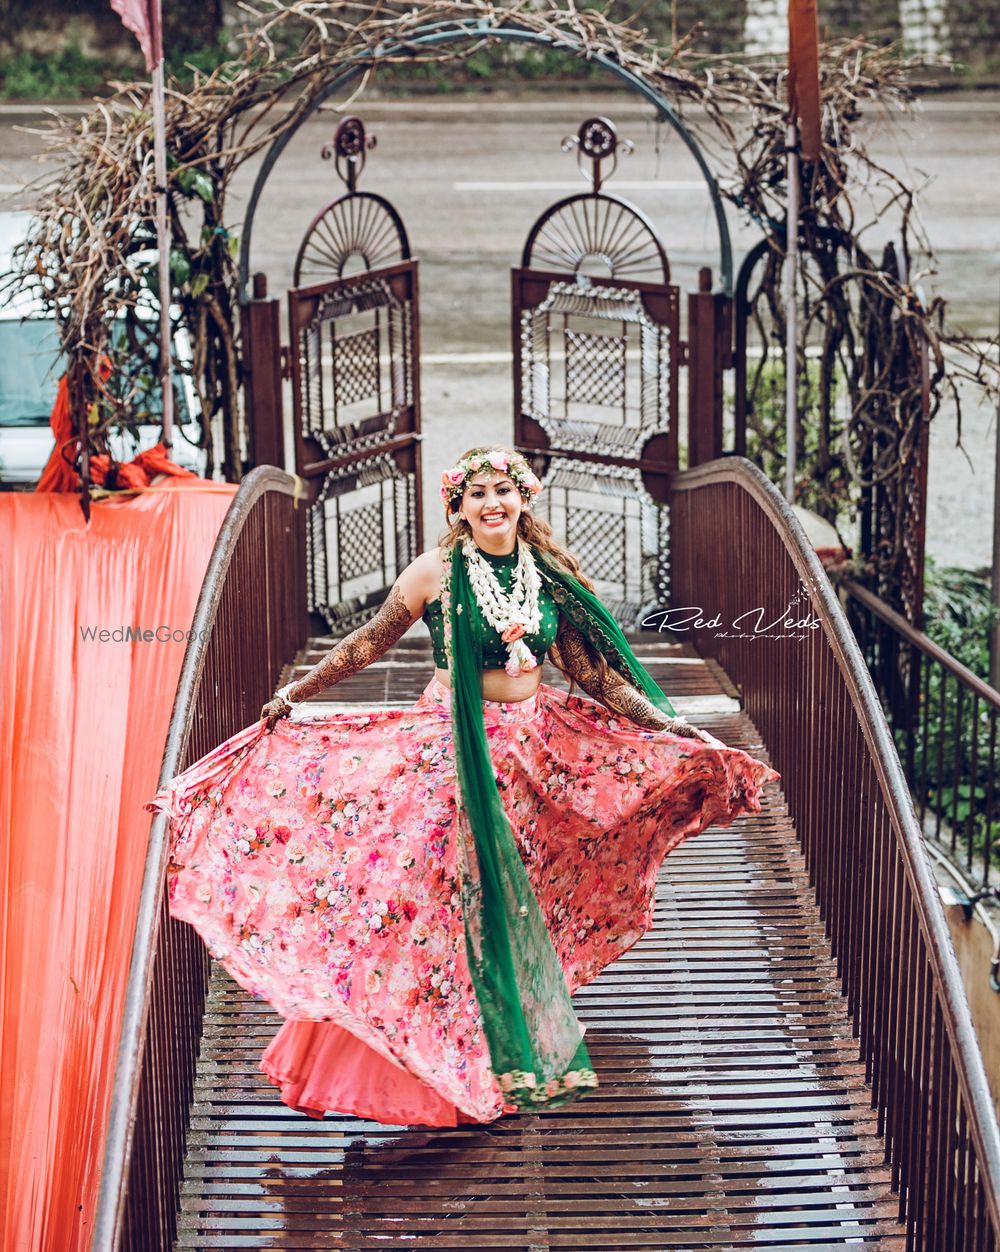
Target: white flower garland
[{"x": 511, "y": 614}]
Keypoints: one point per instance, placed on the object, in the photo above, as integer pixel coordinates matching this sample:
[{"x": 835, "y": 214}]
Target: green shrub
[
  {"x": 37, "y": 76},
  {"x": 822, "y": 482},
  {"x": 69, "y": 74}
]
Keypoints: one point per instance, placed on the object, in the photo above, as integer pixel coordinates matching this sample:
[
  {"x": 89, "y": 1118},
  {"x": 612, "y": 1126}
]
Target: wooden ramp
[{"x": 732, "y": 1111}]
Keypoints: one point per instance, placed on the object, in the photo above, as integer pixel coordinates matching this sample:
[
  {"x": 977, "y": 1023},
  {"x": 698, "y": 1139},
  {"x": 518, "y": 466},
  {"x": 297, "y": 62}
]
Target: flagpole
[
  {"x": 163, "y": 247},
  {"x": 791, "y": 311}
]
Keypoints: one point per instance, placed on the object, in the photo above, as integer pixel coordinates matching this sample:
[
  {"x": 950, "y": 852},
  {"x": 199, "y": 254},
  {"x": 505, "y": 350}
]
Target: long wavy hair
[{"x": 536, "y": 532}]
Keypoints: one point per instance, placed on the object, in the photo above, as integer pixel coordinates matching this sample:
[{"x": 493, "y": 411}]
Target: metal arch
[
  {"x": 740, "y": 311},
  {"x": 448, "y": 32}
]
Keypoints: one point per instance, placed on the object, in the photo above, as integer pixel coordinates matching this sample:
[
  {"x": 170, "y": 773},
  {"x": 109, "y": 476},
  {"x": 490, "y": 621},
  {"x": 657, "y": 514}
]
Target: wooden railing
[
  {"x": 772, "y": 619},
  {"x": 252, "y": 616}
]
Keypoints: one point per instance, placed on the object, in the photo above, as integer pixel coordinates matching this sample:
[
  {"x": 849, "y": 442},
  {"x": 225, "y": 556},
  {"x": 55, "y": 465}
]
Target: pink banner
[{"x": 142, "y": 18}]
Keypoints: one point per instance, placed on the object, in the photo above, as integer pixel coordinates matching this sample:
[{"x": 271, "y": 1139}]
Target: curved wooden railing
[
  {"x": 251, "y": 615},
  {"x": 740, "y": 555}
]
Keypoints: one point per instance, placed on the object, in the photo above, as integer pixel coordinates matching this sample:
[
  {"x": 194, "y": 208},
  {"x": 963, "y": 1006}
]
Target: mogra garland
[{"x": 87, "y": 252}]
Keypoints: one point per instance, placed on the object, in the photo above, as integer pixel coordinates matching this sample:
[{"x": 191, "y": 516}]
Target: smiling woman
[{"x": 419, "y": 892}]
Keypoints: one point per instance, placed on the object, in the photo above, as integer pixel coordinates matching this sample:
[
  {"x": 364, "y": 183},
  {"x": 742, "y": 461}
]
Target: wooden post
[
  {"x": 262, "y": 378},
  {"x": 709, "y": 355}
]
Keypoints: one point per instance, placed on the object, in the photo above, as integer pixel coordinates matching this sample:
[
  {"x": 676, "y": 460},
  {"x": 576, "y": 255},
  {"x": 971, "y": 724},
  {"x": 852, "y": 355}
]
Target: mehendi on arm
[
  {"x": 611, "y": 689},
  {"x": 353, "y": 653}
]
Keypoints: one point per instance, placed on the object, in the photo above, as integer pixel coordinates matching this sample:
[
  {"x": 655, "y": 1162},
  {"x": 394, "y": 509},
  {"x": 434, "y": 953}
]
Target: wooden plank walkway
[{"x": 732, "y": 1111}]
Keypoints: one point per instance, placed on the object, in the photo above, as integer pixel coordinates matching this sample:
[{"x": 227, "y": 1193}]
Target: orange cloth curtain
[
  {"x": 59, "y": 474},
  {"x": 83, "y": 722}
]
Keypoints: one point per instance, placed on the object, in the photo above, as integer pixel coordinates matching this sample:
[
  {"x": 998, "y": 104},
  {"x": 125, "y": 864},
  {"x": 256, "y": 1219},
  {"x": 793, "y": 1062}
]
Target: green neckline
[
  {"x": 503, "y": 556},
  {"x": 509, "y": 557}
]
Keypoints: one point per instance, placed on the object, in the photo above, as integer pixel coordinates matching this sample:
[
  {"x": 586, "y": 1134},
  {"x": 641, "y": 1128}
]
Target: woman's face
[{"x": 491, "y": 504}]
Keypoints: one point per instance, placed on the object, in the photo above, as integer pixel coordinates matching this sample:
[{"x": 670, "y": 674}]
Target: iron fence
[
  {"x": 944, "y": 721},
  {"x": 252, "y": 614},
  {"x": 773, "y": 621}
]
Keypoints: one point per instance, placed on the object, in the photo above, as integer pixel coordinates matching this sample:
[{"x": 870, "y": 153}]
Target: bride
[{"x": 419, "y": 892}]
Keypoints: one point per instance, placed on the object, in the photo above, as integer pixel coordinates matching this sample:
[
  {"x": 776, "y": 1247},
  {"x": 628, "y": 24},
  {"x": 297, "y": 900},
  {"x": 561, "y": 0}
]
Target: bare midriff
[{"x": 499, "y": 685}]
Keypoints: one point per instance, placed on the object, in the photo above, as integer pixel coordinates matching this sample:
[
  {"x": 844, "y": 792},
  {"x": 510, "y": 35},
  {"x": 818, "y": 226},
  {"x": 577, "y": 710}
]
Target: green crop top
[{"x": 495, "y": 652}]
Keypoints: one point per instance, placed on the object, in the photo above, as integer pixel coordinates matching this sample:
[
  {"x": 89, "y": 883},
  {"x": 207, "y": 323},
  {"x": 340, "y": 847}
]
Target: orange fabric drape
[
  {"x": 59, "y": 474},
  {"x": 139, "y": 472},
  {"x": 82, "y": 727}
]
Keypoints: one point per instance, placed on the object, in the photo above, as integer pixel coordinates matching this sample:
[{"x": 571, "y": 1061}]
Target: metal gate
[
  {"x": 596, "y": 354},
  {"x": 354, "y": 365}
]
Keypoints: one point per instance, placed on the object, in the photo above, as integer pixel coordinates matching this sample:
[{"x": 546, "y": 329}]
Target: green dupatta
[{"x": 536, "y": 1043}]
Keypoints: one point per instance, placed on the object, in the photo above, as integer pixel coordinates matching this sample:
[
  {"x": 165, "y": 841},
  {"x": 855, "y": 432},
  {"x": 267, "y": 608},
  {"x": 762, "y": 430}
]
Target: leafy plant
[
  {"x": 60, "y": 75},
  {"x": 823, "y": 487}
]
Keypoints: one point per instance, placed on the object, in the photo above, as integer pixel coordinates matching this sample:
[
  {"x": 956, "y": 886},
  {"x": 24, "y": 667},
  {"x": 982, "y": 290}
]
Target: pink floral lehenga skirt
[{"x": 319, "y": 864}]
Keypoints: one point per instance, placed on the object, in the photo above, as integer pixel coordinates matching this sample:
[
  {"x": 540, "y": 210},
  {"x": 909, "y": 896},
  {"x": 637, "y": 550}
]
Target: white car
[{"x": 31, "y": 365}]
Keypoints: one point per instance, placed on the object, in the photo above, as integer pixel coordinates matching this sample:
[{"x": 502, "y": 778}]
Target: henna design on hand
[
  {"x": 606, "y": 685},
  {"x": 358, "y": 649}
]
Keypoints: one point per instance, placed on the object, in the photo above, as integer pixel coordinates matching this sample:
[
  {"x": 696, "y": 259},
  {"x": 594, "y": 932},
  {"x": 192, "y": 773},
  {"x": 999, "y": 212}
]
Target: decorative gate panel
[
  {"x": 354, "y": 361},
  {"x": 354, "y": 364},
  {"x": 360, "y": 537},
  {"x": 355, "y": 386},
  {"x": 604, "y": 514},
  {"x": 596, "y": 356},
  {"x": 597, "y": 363}
]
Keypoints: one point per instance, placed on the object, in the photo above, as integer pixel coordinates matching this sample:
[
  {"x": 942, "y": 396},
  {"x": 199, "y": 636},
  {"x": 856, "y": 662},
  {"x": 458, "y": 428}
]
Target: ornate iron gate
[
  {"x": 354, "y": 362},
  {"x": 596, "y": 354}
]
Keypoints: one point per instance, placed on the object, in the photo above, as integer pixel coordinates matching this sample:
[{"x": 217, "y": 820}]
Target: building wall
[{"x": 968, "y": 30}]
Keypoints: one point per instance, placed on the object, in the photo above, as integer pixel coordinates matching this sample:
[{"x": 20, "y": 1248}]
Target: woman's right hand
[
  {"x": 274, "y": 711},
  {"x": 681, "y": 726}
]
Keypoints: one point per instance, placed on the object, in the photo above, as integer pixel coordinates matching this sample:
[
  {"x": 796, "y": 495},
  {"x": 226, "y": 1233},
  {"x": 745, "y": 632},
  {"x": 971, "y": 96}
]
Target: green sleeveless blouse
[{"x": 495, "y": 652}]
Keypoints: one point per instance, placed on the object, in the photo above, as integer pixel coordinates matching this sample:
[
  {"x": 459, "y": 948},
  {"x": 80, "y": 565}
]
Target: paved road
[{"x": 470, "y": 176}]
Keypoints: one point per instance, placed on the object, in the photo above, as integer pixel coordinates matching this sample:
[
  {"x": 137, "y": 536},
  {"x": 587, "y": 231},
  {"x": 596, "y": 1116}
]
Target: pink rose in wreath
[
  {"x": 513, "y": 632},
  {"x": 498, "y": 460}
]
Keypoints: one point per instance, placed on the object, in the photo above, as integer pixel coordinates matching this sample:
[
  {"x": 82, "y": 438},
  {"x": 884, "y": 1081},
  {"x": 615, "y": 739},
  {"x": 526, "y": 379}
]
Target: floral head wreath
[{"x": 490, "y": 461}]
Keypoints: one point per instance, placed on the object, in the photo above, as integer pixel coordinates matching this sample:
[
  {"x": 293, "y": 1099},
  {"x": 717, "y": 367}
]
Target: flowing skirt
[{"x": 319, "y": 864}]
